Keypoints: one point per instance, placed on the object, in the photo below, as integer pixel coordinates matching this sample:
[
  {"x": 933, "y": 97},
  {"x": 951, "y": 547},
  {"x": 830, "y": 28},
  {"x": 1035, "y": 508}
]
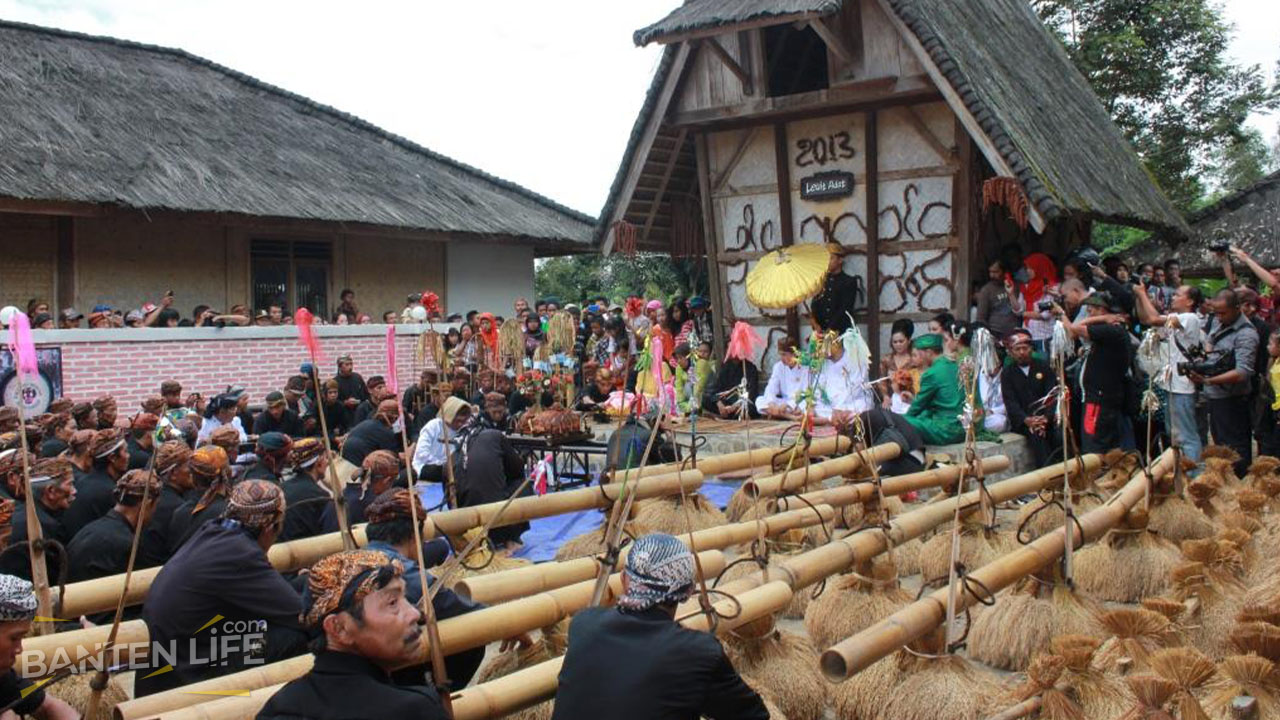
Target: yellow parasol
[{"x": 788, "y": 276}]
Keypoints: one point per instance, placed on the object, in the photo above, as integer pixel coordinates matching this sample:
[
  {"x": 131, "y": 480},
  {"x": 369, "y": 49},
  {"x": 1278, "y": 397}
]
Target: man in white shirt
[
  {"x": 222, "y": 411},
  {"x": 1181, "y": 327},
  {"x": 429, "y": 456},
  {"x": 842, "y": 387},
  {"x": 787, "y": 380}
]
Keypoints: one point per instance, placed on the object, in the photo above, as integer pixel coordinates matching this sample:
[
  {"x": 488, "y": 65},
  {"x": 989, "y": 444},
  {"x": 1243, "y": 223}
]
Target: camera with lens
[
  {"x": 1045, "y": 303},
  {"x": 1205, "y": 364}
]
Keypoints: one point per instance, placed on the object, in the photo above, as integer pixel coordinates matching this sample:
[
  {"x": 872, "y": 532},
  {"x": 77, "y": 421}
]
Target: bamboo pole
[
  {"x": 475, "y": 629},
  {"x": 74, "y": 647},
  {"x": 862, "y": 492},
  {"x": 802, "y": 477},
  {"x": 730, "y": 462},
  {"x": 519, "y": 582},
  {"x": 858, "y": 652},
  {"x": 510, "y": 693},
  {"x": 35, "y": 532},
  {"x": 100, "y": 594},
  {"x": 335, "y": 487},
  {"x": 809, "y": 567}
]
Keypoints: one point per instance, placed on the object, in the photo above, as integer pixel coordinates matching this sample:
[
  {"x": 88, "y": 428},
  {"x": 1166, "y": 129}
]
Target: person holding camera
[
  {"x": 1181, "y": 328},
  {"x": 1106, "y": 363},
  {"x": 1227, "y": 376}
]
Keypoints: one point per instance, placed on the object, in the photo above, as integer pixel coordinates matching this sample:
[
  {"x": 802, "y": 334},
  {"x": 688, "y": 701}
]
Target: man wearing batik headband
[
  {"x": 95, "y": 491},
  {"x": 142, "y": 439},
  {"x": 11, "y": 486},
  {"x": 223, "y": 572},
  {"x": 58, "y": 429},
  {"x": 380, "y": 432},
  {"x": 54, "y": 489},
  {"x": 79, "y": 449},
  {"x": 670, "y": 671},
  {"x": 390, "y": 532},
  {"x": 305, "y": 492},
  {"x": 211, "y": 478},
  {"x": 377, "y": 387},
  {"x": 106, "y": 409},
  {"x": 19, "y": 696},
  {"x": 102, "y": 547},
  {"x": 272, "y": 450},
  {"x": 378, "y": 473},
  {"x": 277, "y": 417},
  {"x": 357, "y": 600},
  {"x": 84, "y": 415},
  {"x": 173, "y": 467}
]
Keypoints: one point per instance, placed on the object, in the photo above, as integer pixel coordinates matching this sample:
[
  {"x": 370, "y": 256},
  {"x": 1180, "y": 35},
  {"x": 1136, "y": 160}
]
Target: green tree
[
  {"x": 651, "y": 275},
  {"x": 1243, "y": 162},
  {"x": 1160, "y": 68}
]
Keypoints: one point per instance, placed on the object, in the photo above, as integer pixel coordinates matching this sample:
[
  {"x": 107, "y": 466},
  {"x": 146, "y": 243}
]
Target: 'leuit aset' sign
[{"x": 827, "y": 185}]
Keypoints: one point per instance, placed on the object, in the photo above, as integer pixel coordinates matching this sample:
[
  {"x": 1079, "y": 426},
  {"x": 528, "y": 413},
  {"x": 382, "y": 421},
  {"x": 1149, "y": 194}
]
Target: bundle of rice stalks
[
  {"x": 1205, "y": 493},
  {"x": 591, "y": 542},
  {"x": 862, "y": 696},
  {"x": 1043, "y": 676},
  {"x": 1220, "y": 460},
  {"x": 76, "y": 691},
  {"x": 1168, "y": 607},
  {"x": 1119, "y": 466},
  {"x": 740, "y": 504},
  {"x": 1213, "y": 614},
  {"x": 1130, "y": 563},
  {"x": 1133, "y": 634},
  {"x": 667, "y": 514},
  {"x": 851, "y": 603},
  {"x": 1257, "y": 638},
  {"x": 978, "y": 546},
  {"x": 1176, "y": 518},
  {"x": 482, "y": 560},
  {"x": 1045, "y": 514},
  {"x": 1223, "y": 562},
  {"x": 1025, "y": 618},
  {"x": 939, "y": 688},
  {"x": 1189, "y": 670},
  {"x": 1151, "y": 694},
  {"x": 1249, "y": 675},
  {"x": 1265, "y": 608},
  {"x": 551, "y": 643},
  {"x": 785, "y": 665},
  {"x": 1100, "y": 695}
]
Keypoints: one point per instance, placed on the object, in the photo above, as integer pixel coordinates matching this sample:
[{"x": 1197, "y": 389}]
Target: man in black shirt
[
  {"x": 102, "y": 547},
  {"x": 654, "y": 669},
  {"x": 376, "y": 433},
  {"x": 222, "y": 575},
  {"x": 94, "y": 491},
  {"x": 173, "y": 467},
  {"x": 377, "y": 386},
  {"x": 835, "y": 302},
  {"x": 379, "y": 472},
  {"x": 351, "y": 387},
  {"x": 53, "y": 485},
  {"x": 1023, "y": 384},
  {"x": 357, "y": 600},
  {"x": 22, "y": 697},
  {"x": 277, "y": 417},
  {"x": 210, "y": 475},
  {"x": 142, "y": 439},
  {"x": 304, "y": 493},
  {"x": 1103, "y": 379},
  {"x": 272, "y": 450}
]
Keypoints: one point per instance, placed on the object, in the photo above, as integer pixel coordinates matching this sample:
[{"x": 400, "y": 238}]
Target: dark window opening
[
  {"x": 796, "y": 60},
  {"x": 292, "y": 273}
]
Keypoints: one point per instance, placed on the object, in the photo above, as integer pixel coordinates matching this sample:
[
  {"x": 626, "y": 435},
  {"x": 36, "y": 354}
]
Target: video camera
[{"x": 1204, "y": 363}]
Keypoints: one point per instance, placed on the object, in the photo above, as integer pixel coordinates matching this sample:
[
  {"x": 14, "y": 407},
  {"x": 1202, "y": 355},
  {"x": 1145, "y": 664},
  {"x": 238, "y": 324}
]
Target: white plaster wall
[{"x": 487, "y": 277}]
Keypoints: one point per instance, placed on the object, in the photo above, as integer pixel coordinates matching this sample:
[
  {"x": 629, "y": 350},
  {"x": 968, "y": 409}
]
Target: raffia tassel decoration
[
  {"x": 939, "y": 688},
  {"x": 429, "y": 351},
  {"x": 1189, "y": 670},
  {"x": 667, "y": 514},
  {"x": 851, "y": 603},
  {"x": 1100, "y": 695},
  {"x": 783, "y": 664},
  {"x": 1129, "y": 564},
  {"x": 1133, "y": 635},
  {"x": 978, "y": 546},
  {"x": 1151, "y": 693},
  {"x": 551, "y": 643},
  {"x": 76, "y": 692},
  {"x": 1024, "y": 620},
  {"x": 1043, "y": 676},
  {"x": 1249, "y": 675},
  {"x": 592, "y": 542},
  {"x": 562, "y": 332},
  {"x": 1007, "y": 193}
]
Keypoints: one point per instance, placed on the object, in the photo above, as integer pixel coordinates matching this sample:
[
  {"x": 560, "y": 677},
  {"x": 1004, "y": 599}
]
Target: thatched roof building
[
  {"x": 1248, "y": 218},
  {"x": 95, "y": 125}
]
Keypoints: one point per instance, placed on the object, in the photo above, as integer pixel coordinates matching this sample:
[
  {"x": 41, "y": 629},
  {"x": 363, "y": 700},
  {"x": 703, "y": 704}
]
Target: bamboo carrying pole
[
  {"x": 74, "y": 647},
  {"x": 802, "y": 477},
  {"x": 475, "y": 629},
  {"x": 100, "y": 594},
  {"x": 35, "y": 532},
  {"x": 864, "y": 491},
  {"x": 858, "y": 652},
  {"x": 809, "y": 567},
  {"x": 712, "y": 465},
  {"x": 519, "y": 582},
  {"x": 510, "y": 693}
]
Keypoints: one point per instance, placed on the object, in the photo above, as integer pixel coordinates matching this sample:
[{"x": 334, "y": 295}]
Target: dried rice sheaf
[
  {"x": 1133, "y": 635},
  {"x": 785, "y": 665},
  {"x": 1024, "y": 620},
  {"x": 1189, "y": 669}
]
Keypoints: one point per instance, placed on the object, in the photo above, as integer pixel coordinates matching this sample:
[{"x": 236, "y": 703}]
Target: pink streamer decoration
[
  {"x": 307, "y": 333},
  {"x": 21, "y": 346},
  {"x": 393, "y": 382},
  {"x": 744, "y": 343}
]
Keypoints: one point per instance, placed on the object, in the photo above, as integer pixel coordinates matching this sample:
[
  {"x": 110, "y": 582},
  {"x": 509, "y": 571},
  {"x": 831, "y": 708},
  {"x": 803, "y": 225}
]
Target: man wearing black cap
[
  {"x": 69, "y": 319},
  {"x": 277, "y": 417},
  {"x": 272, "y": 450},
  {"x": 94, "y": 491},
  {"x": 833, "y": 305}
]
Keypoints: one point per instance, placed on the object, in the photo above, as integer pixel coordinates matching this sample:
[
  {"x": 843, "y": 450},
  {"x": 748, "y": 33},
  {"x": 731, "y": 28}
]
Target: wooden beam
[
  {"x": 797, "y": 18},
  {"x": 837, "y": 100},
  {"x": 946, "y": 154},
  {"x": 970, "y": 123},
  {"x": 871, "y": 156},
  {"x": 52, "y": 207},
  {"x": 718, "y": 184},
  {"x": 834, "y": 42},
  {"x": 723, "y": 55},
  {"x": 637, "y": 161},
  {"x": 662, "y": 186},
  {"x": 720, "y": 306},
  {"x": 782, "y": 159}
]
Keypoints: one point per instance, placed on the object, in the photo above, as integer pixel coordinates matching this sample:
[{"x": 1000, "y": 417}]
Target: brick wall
[{"x": 131, "y": 363}]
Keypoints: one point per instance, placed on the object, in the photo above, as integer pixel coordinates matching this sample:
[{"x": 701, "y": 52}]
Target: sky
[{"x": 540, "y": 93}]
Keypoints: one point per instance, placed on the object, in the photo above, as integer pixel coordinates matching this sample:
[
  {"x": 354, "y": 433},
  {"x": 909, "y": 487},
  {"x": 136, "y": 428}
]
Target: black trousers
[{"x": 1229, "y": 423}]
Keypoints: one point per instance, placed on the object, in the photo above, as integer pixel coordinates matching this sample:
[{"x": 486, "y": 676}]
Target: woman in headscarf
[
  {"x": 533, "y": 337},
  {"x": 1041, "y": 278},
  {"x": 488, "y": 335}
]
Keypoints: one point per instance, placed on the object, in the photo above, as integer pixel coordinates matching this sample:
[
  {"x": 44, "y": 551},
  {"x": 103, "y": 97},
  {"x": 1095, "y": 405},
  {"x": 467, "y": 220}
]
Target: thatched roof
[
  {"x": 98, "y": 120},
  {"x": 1017, "y": 81},
  {"x": 1011, "y": 74},
  {"x": 696, "y": 15},
  {"x": 1248, "y": 218}
]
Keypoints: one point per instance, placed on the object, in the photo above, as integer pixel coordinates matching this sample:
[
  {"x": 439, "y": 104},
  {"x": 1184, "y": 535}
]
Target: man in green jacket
[{"x": 935, "y": 411}]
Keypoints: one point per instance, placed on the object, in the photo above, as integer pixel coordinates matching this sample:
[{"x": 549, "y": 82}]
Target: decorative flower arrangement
[
  {"x": 634, "y": 307},
  {"x": 431, "y": 302}
]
